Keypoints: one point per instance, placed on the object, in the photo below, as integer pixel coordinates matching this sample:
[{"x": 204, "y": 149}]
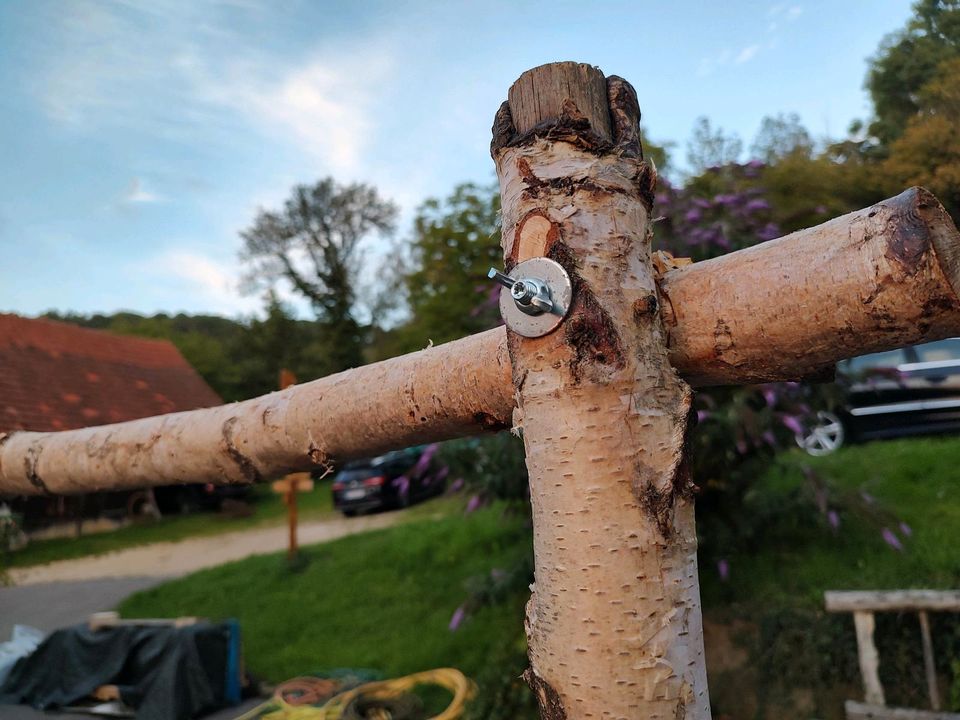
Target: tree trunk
[{"x": 613, "y": 624}]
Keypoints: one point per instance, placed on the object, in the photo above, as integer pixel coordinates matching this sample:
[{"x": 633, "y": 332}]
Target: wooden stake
[
  {"x": 613, "y": 624},
  {"x": 928, "y": 665},
  {"x": 869, "y": 659}
]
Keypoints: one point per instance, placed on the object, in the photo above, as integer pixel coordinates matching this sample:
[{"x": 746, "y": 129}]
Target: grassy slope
[
  {"x": 268, "y": 509},
  {"x": 380, "y": 600},
  {"x": 798, "y": 556},
  {"x": 384, "y": 599}
]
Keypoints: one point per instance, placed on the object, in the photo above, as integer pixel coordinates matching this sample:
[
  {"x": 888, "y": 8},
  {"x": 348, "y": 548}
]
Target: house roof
[{"x": 57, "y": 376}]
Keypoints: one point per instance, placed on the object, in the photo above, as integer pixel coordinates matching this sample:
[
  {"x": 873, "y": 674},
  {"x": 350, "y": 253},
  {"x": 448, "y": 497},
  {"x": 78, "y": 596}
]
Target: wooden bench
[{"x": 863, "y": 605}]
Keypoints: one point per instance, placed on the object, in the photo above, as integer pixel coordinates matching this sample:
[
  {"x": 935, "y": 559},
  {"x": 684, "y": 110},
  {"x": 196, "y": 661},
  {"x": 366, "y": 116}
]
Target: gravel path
[{"x": 172, "y": 559}]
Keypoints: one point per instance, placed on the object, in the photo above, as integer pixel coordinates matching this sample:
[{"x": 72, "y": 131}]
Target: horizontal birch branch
[
  {"x": 790, "y": 308},
  {"x": 891, "y": 600}
]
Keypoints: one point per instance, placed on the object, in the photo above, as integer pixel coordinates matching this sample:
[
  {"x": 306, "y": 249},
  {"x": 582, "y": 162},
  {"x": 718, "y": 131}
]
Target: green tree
[
  {"x": 314, "y": 244},
  {"x": 455, "y": 241},
  {"x": 780, "y": 137},
  {"x": 709, "y": 147},
  {"x": 906, "y": 61},
  {"x": 928, "y": 151}
]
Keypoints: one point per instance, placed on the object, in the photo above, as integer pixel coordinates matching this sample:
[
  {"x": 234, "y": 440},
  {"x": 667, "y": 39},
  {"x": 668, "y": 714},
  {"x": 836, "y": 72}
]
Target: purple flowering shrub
[{"x": 722, "y": 210}]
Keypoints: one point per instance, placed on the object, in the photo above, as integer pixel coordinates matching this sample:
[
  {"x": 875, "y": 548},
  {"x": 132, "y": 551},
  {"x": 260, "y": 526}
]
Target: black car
[
  {"x": 911, "y": 391},
  {"x": 394, "y": 480}
]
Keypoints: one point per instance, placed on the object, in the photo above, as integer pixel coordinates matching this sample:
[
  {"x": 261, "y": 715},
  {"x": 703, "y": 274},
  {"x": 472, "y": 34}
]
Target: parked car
[
  {"x": 910, "y": 391},
  {"x": 394, "y": 480}
]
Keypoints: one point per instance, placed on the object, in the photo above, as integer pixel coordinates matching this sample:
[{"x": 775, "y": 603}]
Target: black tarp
[{"x": 164, "y": 672}]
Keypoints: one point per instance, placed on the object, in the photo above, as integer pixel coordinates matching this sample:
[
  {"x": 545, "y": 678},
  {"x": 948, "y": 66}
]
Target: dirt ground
[{"x": 172, "y": 559}]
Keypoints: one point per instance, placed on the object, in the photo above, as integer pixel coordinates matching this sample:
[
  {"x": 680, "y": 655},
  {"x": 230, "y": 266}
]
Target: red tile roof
[{"x": 56, "y": 376}]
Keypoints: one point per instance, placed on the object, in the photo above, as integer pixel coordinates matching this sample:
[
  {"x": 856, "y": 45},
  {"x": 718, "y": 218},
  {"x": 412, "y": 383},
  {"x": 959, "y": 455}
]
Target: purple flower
[
  {"x": 769, "y": 232},
  {"x": 770, "y": 396},
  {"x": 457, "y": 618},
  {"x": 891, "y": 539},
  {"x": 723, "y": 569},
  {"x": 820, "y": 209},
  {"x": 456, "y": 485},
  {"x": 792, "y": 423},
  {"x": 820, "y": 498},
  {"x": 769, "y": 438},
  {"x": 906, "y": 529},
  {"x": 403, "y": 483},
  {"x": 834, "y": 519},
  {"x": 702, "y": 415},
  {"x": 425, "y": 457},
  {"x": 742, "y": 446},
  {"x": 757, "y": 205},
  {"x": 473, "y": 504},
  {"x": 867, "y": 497},
  {"x": 693, "y": 215}
]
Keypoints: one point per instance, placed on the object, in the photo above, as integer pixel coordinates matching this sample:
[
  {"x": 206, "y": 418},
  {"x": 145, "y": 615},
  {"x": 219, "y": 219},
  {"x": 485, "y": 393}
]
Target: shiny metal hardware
[{"x": 535, "y": 297}]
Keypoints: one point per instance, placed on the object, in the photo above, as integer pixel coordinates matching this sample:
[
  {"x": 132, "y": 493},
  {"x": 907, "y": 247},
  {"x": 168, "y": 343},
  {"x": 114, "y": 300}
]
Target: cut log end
[
  {"x": 550, "y": 91},
  {"x": 943, "y": 234}
]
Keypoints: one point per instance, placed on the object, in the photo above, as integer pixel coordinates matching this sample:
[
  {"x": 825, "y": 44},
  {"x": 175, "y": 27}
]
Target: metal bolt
[{"x": 531, "y": 295}]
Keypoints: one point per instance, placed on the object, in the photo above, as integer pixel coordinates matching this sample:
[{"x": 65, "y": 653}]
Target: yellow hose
[{"x": 453, "y": 680}]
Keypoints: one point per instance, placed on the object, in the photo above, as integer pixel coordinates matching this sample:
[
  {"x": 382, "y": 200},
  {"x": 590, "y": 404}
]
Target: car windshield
[
  {"x": 940, "y": 351},
  {"x": 876, "y": 361}
]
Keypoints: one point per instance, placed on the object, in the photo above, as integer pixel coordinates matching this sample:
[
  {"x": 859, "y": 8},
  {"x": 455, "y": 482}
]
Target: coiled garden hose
[{"x": 379, "y": 700}]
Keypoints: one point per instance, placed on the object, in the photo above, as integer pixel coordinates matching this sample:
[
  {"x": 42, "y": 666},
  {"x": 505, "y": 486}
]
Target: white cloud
[
  {"x": 325, "y": 106},
  {"x": 794, "y": 12},
  {"x": 708, "y": 65},
  {"x": 746, "y": 54},
  {"x": 137, "y": 193},
  {"x": 182, "y": 278}
]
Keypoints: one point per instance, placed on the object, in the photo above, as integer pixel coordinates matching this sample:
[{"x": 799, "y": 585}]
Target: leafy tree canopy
[
  {"x": 444, "y": 278},
  {"x": 905, "y": 62},
  {"x": 928, "y": 151},
  {"x": 314, "y": 244}
]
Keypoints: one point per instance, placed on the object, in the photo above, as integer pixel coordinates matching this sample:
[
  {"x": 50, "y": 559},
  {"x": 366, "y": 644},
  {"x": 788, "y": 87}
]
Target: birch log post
[{"x": 613, "y": 624}]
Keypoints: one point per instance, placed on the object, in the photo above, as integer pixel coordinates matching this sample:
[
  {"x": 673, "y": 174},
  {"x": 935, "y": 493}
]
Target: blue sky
[{"x": 139, "y": 138}]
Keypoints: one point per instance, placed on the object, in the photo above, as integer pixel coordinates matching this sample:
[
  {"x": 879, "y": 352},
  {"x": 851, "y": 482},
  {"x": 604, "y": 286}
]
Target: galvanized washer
[{"x": 553, "y": 276}]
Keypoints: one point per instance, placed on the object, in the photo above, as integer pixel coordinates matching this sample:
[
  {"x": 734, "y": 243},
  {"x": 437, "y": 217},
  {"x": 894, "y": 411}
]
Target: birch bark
[{"x": 613, "y": 624}]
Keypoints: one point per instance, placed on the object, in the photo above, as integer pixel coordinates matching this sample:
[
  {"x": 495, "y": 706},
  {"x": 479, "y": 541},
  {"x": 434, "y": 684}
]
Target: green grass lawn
[
  {"x": 268, "y": 509},
  {"x": 798, "y": 555},
  {"x": 384, "y": 599},
  {"x": 380, "y": 600}
]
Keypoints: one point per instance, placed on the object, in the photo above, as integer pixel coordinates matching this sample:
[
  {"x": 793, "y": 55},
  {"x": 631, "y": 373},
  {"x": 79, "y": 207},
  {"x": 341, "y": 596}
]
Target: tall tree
[
  {"x": 314, "y": 244},
  {"x": 455, "y": 241},
  {"x": 709, "y": 147},
  {"x": 905, "y": 62},
  {"x": 780, "y": 137}
]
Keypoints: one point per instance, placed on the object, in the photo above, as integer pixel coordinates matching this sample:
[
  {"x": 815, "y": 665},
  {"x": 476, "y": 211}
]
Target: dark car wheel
[{"x": 823, "y": 436}]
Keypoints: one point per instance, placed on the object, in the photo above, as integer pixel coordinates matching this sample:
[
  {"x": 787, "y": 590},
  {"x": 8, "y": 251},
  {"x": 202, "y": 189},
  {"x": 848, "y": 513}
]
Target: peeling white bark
[{"x": 613, "y": 625}]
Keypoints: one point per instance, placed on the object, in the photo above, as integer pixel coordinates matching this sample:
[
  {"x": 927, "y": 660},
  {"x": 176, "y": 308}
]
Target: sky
[{"x": 137, "y": 139}]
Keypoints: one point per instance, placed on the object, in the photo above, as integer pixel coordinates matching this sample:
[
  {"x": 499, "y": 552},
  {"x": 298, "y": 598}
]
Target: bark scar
[
  {"x": 589, "y": 331},
  {"x": 908, "y": 232},
  {"x": 247, "y": 467},
  {"x": 657, "y": 502},
  {"x": 30, "y": 461},
  {"x": 551, "y": 706}
]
